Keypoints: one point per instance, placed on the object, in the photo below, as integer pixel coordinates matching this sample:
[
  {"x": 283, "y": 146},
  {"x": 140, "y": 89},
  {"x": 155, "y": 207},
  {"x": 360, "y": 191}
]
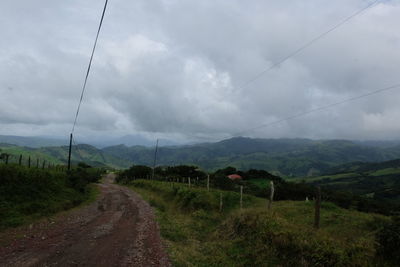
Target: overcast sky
[{"x": 175, "y": 69}]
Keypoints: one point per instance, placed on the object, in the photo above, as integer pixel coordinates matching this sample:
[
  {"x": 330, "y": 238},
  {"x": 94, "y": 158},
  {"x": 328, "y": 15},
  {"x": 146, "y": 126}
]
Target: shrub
[
  {"x": 388, "y": 239},
  {"x": 272, "y": 237}
]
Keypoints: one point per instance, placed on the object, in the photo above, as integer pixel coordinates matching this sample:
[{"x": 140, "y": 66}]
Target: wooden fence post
[
  {"x": 189, "y": 182},
  {"x": 29, "y": 162},
  {"x": 37, "y": 163},
  {"x": 208, "y": 182},
  {"x": 43, "y": 164},
  {"x": 7, "y": 155},
  {"x": 220, "y": 202},
  {"x": 317, "y": 208},
  {"x": 271, "y": 195},
  {"x": 20, "y": 160},
  {"x": 241, "y": 197}
]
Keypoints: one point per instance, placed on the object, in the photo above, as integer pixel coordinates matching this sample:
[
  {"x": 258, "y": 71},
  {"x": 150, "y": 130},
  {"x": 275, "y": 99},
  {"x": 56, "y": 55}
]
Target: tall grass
[
  {"x": 30, "y": 193},
  {"x": 197, "y": 234}
]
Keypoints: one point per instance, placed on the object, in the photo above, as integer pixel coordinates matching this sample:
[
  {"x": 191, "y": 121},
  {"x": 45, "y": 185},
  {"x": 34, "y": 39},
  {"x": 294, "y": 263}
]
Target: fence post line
[
  {"x": 271, "y": 195},
  {"x": 241, "y": 197},
  {"x": 317, "y": 208}
]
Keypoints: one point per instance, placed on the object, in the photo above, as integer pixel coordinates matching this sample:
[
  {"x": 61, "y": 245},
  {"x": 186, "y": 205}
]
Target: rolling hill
[
  {"x": 59, "y": 155},
  {"x": 285, "y": 157},
  {"x": 378, "y": 181}
]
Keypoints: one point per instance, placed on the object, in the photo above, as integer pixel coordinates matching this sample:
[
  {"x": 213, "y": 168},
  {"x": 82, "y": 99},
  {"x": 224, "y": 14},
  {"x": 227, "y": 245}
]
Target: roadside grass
[
  {"x": 28, "y": 194},
  {"x": 197, "y": 234}
]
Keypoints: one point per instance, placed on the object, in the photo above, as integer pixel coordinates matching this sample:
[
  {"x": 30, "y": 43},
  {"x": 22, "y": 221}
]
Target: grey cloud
[{"x": 176, "y": 68}]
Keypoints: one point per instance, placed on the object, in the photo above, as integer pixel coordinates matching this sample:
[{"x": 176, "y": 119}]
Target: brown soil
[{"x": 118, "y": 229}]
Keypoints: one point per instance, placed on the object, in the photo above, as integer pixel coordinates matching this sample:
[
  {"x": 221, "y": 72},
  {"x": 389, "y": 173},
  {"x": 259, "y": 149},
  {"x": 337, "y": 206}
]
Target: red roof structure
[{"x": 235, "y": 177}]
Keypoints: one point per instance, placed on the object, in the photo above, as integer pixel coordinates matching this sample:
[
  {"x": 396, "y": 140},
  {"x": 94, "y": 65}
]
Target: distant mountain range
[
  {"x": 128, "y": 140},
  {"x": 30, "y": 141},
  {"x": 286, "y": 157}
]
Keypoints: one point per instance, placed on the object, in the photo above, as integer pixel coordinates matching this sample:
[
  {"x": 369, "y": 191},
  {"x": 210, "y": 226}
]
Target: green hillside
[
  {"x": 378, "y": 181},
  {"x": 59, "y": 155},
  {"x": 287, "y": 157},
  {"x": 284, "y": 157},
  {"x": 31, "y": 141}
]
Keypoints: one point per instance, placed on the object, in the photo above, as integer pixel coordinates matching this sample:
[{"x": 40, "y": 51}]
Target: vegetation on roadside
[
  {"x": 197, "y": 234},
  {"x": 257, "y": 183},
  {"x": 30, "y": 193}
]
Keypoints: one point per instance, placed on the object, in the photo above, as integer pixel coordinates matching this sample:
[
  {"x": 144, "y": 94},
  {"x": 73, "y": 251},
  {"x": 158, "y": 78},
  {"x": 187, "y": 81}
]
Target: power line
[
  {"x": 318, "y": 109},
  {"x": 89, "y": 66},
  {"x": 306, "y": 45}
]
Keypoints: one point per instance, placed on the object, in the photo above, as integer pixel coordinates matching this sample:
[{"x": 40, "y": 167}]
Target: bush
[
  {"x": 222, "y": 182},
  {"x": 273, "y": 239},
  {"x": 83, "y": 175},
  {"x": 388, "y": 239},
  {"x": 134, "y": 172}
]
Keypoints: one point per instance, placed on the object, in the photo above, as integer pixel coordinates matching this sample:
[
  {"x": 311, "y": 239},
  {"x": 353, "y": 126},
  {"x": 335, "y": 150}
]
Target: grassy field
[
  {"x": 387, "y": 171},
  {"x": 197, "y": 234},
  {"x": 331, "y": 177}
]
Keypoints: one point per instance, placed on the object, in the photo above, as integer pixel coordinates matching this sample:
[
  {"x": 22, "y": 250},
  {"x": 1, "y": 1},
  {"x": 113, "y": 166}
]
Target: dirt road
[{"x": 116, "y": 230}]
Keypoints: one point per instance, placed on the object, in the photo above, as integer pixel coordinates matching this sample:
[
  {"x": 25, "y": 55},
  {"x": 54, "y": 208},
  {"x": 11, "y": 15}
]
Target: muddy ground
[{"x": 118, "y": 229}]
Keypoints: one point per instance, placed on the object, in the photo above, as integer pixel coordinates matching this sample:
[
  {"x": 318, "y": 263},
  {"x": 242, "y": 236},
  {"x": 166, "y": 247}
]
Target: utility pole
[
  {"x": 69, "y": 152},
  {"x": 155, "y": 160}
]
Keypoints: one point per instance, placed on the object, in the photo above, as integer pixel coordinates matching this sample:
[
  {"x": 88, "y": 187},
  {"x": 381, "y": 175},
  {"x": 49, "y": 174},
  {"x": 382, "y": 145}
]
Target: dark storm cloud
[{"x": 176, "y": 68}]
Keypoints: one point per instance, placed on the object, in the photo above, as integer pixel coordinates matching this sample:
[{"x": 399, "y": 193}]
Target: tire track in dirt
[{"x": 118, "y": 229}]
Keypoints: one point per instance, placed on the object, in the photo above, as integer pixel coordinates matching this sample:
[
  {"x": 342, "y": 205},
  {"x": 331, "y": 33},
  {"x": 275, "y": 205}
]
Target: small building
[{"x": 235, "y": 177}]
